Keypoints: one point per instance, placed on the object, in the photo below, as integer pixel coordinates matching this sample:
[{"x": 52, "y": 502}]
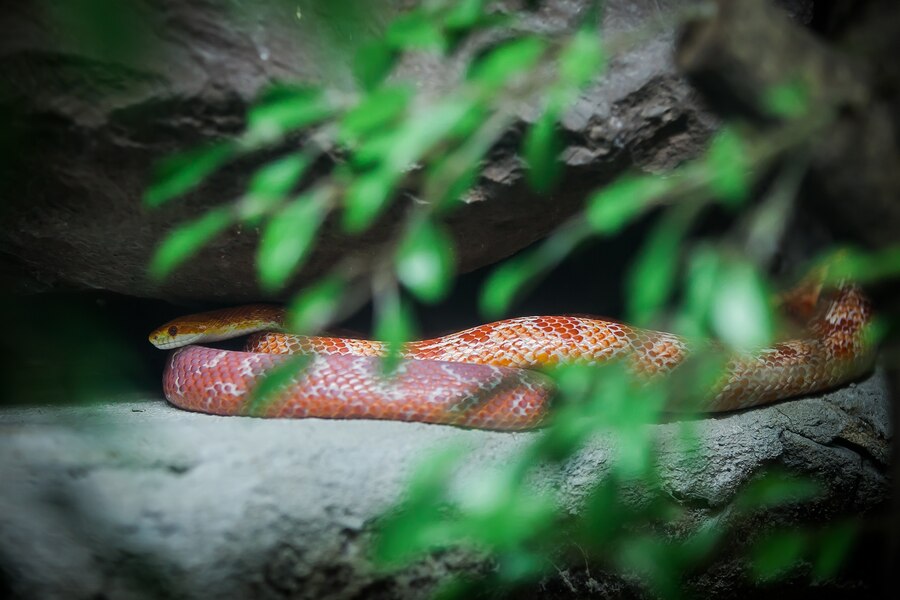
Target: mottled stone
[
  {"x": 88, "y": 124},
  {"x": 133, "y": 498}
]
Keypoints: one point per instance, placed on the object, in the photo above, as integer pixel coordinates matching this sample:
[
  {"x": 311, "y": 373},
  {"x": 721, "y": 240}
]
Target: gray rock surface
[
  {"x": 135, "y": 499},
  {"x": 89, "y": 124}
]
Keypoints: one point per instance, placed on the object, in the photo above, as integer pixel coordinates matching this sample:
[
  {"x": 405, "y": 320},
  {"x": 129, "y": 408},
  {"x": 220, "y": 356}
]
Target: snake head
[
  {"x": 175, "y": 334},
  {"x": 217, "y": 325}
]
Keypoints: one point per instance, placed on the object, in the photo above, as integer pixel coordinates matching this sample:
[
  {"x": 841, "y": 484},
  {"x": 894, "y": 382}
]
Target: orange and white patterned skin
[{"x": 481, "y": 377}]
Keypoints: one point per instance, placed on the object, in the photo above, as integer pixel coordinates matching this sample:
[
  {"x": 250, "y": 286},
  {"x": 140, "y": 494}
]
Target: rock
[
  {"x": 90, "y": 123},
  {"x": 737, "y": 55},
  {"x": 131, "y": 498}
]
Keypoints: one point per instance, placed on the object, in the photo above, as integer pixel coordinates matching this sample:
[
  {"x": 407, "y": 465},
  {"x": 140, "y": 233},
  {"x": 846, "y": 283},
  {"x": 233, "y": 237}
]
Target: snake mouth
[{"x": 167, "y": 343}]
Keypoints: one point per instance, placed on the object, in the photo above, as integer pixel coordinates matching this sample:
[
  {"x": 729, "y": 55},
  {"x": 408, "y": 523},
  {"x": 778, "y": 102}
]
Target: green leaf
[
  {"x": 728, "y": 166},
  {"x": 266, "y": 391},
  {"x": 788, "y": 101},
  {"x": 653, "y": 559},
  {"x": 449, "y": 178},
  {"x": 777, "y": 553},
  {"x": 582, "y": 59},
  {"x": 541, "y": 150},
  {"x": 453, "y": 117},
  {"x": 269, "y": 187},
  {"x": 464, "y": 14},
  {"x": 619, "y": 203},
  {"x": 700, "y": 291},
  {"x": 373, "y": 150},
  {"x": 741, "y": 315},
  {"x": 183, "y": 172},
  {"x": 188, "y": 239},
  {"x": 415, "y": 30},
  {"x": 286, "y": 109},
  {"x": 316, "y": 306},
  {"x": 512, "y": 277},
  {"x": 425, "y": 261},
  {"x": 652, "y": 276},
  {"x": 421, "y": 525},
  {"x": 372, "y": 63},
  {"x": 776, "y": 488},
  {"x": 504, "y": 284},
  {"x": 278, "y": 178},
  {"x": 366, "y": 198},
  {"x": 856, "y": 265},
  {"x": 507, "y": 61},
  {"x": 832, "y": 549},
  {"x": 378, "y": 110},
  {"x": 395, "y": 326},
  {"x": 287, "y": 240}
]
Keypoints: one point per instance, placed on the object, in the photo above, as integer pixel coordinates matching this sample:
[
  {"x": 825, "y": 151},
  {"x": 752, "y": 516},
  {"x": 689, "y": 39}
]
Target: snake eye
[{"x": 173, "y": 331}]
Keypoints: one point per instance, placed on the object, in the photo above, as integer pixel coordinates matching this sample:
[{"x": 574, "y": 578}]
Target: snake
[{"x": 494, "y": 376}]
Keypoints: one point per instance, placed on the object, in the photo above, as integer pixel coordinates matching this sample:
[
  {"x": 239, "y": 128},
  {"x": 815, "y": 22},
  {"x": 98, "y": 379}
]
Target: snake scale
[{"x": 488, "y": 377}]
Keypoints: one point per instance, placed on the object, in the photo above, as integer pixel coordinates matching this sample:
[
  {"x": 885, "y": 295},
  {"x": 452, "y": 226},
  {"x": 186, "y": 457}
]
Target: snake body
[{"x": 485, "y": 377}]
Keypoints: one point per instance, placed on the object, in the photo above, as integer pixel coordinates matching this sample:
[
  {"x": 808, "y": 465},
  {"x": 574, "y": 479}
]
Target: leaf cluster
[{"x": 388, "y": 142}]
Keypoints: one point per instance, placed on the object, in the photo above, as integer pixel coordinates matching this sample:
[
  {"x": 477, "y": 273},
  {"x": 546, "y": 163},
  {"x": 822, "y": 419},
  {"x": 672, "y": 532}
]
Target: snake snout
[{"x": 168, "y": 337}]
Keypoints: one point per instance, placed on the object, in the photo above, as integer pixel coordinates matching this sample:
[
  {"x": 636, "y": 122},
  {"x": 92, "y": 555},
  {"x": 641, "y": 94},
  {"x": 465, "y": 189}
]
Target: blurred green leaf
[
  {"x": 421, "y": 524},
  {"x": 315, "y": 308},
  {"x": 504, "y": 284},
  {"x": 512, "y": 277},
  {"x": 541, "y": 149},
  {"x": 275, "y": 381},
  {"x": 488, "y": 492},
  {"x": 449, "y": 178},
  {"x": 775, "y": 488},
  {"x": 860, "y": 266},
  {"x": 741, "y": 315},
  {"x": 700, "y": 291},
  {"x": 425, "y": 261},
  {"x": 788, "y": 101},
  {"x": 701, "y": 544},
  {"x": 371, "y": 152},
  {"x": 270, "y": 185},
  {"x": 464, "y": 14},
  {"x": 520, "y": 564},
  {"x": 452, "y": 174},
  {"x": 622, "y": 201},
  {"x": 415, "y": 30},
  {"x": 373, "y": 62},
  {"x": 284, "y": 109},
  {"x": 832, "y": 548},
  {"x": 180, "y": 173},
  {"x": 288, "y": 238},
  {"x": 452, "y": 117},
  {"x": 278, "y": 178},
  {"x": 654, "y": 559},
  {"x": 366, "y": 198},
  {"x": 377, "y": 110},
  {"x": 777, "y": 553},
  {"x": 582, "y": 59},
  {"x": 728, "y": 166},
  {"x": 187, "y": 239},
  {"x": 506, "y": 61},
  {"x": 395, "y": 326},
  {"x": 652, "y": 277}
]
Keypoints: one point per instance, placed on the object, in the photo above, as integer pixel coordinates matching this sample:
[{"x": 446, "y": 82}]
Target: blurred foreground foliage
[{"x": 393, "y": 143}]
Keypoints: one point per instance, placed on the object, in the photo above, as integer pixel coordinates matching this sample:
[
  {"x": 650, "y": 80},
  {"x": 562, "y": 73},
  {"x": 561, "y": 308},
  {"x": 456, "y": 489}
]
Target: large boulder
[
  {"x": 131, "y": 498},
  {"x": 89, "y": 125}
]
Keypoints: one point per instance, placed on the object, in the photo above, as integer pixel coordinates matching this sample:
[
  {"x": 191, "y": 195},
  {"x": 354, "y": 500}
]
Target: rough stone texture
[
  {"x": 136, "y": 499},
  {"x": 88, "y": 125},
  {"x": 735, "y": 56}
]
